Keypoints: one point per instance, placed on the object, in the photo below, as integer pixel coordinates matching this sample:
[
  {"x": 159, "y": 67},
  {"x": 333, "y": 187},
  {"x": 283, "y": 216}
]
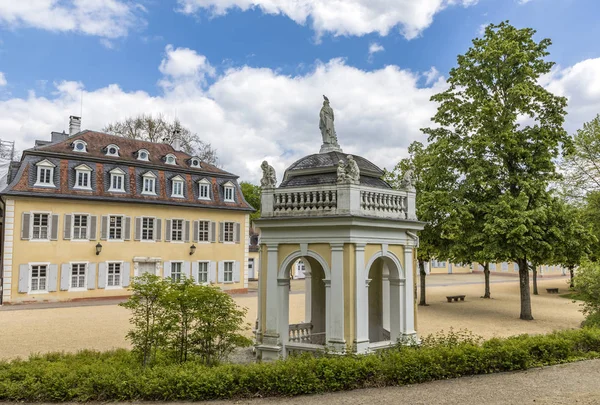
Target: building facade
[{"x": 87, "y": 212}]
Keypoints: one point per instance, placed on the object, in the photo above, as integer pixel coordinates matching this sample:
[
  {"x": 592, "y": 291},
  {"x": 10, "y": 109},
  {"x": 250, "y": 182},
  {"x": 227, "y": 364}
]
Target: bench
[
  {"x": 552, "y": 290},
  {"x": 451, "y": 298}
]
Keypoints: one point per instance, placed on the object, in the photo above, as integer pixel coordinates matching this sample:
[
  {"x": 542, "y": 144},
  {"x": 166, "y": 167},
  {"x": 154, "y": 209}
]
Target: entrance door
[
  {"x": 146, "y": 267},
  {"x": 251, "y": 268}
]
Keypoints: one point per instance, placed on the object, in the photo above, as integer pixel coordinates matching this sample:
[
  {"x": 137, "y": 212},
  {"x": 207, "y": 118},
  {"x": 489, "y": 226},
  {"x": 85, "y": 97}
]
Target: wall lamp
[
  {"x": 98, "y": 248},
  {"x": 192, "y": 249}
]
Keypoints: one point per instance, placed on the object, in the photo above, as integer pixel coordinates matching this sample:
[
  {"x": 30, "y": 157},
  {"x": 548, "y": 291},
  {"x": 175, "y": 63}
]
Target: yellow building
[
  {"x": 513, "y": 268},
  {"x": 445, "y": 267},
  {"x": 86, "y": 212}
]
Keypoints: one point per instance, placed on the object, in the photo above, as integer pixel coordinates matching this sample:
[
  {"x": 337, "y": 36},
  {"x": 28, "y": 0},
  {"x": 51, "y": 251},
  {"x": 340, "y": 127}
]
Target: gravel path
[{"x": 563, "y": 384}]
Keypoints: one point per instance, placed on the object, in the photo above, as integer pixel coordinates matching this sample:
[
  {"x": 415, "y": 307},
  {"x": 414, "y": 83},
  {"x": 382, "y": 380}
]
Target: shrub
[
  {"x": 587, "y": 284},
  {"x": 119, "y": 376}
]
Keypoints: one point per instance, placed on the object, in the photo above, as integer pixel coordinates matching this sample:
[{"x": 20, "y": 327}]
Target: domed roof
[{"x": 321, "y": 169}]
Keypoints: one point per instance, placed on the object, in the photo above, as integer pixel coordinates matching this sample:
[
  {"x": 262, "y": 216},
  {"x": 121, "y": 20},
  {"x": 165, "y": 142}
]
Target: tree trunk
[
  {"x": 486, "y": 273},
  {"x": 422, "y": 300},
  {"x": 572, "y": 274},
  {"x": 534, "y": 270},
  {"x": 525, "y": 292}
]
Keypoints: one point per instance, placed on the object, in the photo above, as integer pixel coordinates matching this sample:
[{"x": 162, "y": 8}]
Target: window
[
  {"x": 195, "y": 163},
  {"x": 492, "y": 266},
  {"x": 115, "y": 227},
  {"x": 80, "y": 226},
  {"x": 147, "y": 228},
  {"x": 504, "y": 266},
  {"x": 203, "y": 235},
  {"x": 149, "y": 185},
  {"x": 177, "y": 187},
  {"x": 177, "y": 230},
  {"x": 39, "y": 278},
  {"x": 45, "y": 174},
  {"x": 143, "y": 155},
  {"x": 204, "y": 191},
  {"x": 117, "y": 180},
  {"x": 437, "y": 264},
  {"x": 78, "y": 271},
  {"x": 41, "y": 226},
  {"x": 83, "y": 177},
  {"x": 228, "y": 272},
  {"x": 176, "y": 272},
  {"x": 80, "y": 146},
  {"x": 112, "y": 150},
  {"x": 113, "y": 275},
  {"x": 202, "y": 272},
  {"x": 229, "y": 193},
  {"x": 228, "y": 231},
  {"x": 171, "y": 159}
]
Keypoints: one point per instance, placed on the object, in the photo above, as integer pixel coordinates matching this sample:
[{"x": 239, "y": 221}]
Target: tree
[
  {"x": 157, "y": 129},
  {"x": 500, "y": 130},
  {"x": 252, "y": 195},
  {"x": 587, "y": 284}
]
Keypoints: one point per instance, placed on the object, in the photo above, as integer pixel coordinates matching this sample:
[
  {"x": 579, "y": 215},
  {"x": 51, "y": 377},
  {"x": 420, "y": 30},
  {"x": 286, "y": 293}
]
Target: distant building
[{"x": 87, "y": 211}]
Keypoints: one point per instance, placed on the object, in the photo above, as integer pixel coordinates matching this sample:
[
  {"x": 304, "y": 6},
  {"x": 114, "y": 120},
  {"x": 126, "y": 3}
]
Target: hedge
[{"x": 116, "y": 376}]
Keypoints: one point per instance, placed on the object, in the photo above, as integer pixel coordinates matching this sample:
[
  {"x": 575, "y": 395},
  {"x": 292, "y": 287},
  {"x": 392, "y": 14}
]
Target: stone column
[
  {"x": 336, "y": 307},
  {"x": 271, "y": 343},
  {"x": 307, "y": 294},
  {"x": 361, "y": 334},
  {"x": 408, "y": 303},
  {"x": 396, "y": 309},
  {"x": 283, "y": 285},
  {"x": 385, "y": 297}
]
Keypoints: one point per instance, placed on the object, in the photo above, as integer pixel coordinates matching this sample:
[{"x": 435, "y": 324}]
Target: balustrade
[
  {"x": 304, "y": 201},
  {"x": 382, "y": 202}
]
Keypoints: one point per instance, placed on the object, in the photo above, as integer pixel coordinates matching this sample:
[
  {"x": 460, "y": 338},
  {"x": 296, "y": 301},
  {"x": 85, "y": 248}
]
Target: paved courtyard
[{"x": 103, "y": 325}]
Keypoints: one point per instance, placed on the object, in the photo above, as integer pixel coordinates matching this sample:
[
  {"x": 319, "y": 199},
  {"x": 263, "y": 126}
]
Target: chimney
[
  {"x": 74, "y": 125},
  {"x": 176, "y": 144}
]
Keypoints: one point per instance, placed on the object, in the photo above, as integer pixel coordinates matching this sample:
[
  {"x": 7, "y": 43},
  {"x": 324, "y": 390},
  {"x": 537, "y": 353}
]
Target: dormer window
[
  {"x": 83, "y": 177},
  {"x": 204, "y": 189},
  {"x": 80, "y": 146},
  {"x": 112, "y": 150},
  {"x": 143, "y": 154},
  {"x": 177, "y": 187},
  {"x": 117, "y": 181},
  {"x": 149, "y": 183},
  {"x": 195, "y": 162},
  {"x": 171, "y": 159},
  {"x": 229, "y": 192},
  {"x": 45, "y": 174}
]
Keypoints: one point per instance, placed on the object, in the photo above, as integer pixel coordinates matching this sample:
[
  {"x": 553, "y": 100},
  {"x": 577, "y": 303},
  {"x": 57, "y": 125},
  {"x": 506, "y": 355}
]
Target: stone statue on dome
[
  {"x": 352, "y": 171},
  {"x": 326, "y": 125},
  {"x": 269, "y": 178}
]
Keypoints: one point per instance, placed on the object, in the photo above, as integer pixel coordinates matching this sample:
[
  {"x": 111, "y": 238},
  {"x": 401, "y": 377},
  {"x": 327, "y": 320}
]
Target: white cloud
[
  {"x": 340, "y": 17},
  {"x": 2, "y": 79},
  {"x": 375, "y": 47},
  {"x": 249, "y": 114},
  {"x": 104, "y": 18},
  {"x": 431, "y": 75}
]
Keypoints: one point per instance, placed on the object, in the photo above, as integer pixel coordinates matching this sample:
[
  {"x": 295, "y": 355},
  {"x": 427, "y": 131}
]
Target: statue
[
  {"x": 341, "y": 172},
  {"x": 326, "y": 126},
  {"x": 269, "y": 179},
  {"x": 352, "y": 170},
  {"x": 408, "y": 180}
]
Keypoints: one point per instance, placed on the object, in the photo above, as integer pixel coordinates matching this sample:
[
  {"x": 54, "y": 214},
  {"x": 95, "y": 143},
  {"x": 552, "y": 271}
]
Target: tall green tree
[
  {"x": 252, "y": 194},
  {"x": 501, "y": 131}
]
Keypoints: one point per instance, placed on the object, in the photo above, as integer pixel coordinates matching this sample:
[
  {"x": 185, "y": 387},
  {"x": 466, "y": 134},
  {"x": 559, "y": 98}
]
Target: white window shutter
[
  {"x": 168, "y": 231},
  {"x": 236, "y": 272},
  {"x": 23, "y": 278},
  {"x": 195, "y": 272},
  {"x": 187, "y": 232},
  {"x": 167, "y": 270},
  {"x": 221, "y": 231},
  {"x": 65, "y": 276},
  {"x": 125, "y": 274},
  {"x": 213, "y": 231},
  {"x": 93, "y": 225},
  {"x": 127, "y": 232},
  {"x": 104, "y": 227},
  {"x": 54, "y": 228},
  {"x": 212, "y": 272},
  {"x": 102, "y": 275},
  {"x": 53, "y": 277},
  {"x": 221, "y": 272},
  {"x": 195, "y": 233},
  {"x": 186, "y": 269},
  {"x": 236, "y": 232},
  {"x": 67, "y": 227},
  {"x": 157, "y": 229},
  {"x": 91, "y": 276},
  {"x": 26, "y": 227},
  {"x": 138, "y": 228}
]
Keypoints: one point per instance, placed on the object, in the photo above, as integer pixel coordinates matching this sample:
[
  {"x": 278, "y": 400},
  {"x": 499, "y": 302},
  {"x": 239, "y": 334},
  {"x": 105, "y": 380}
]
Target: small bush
[{"x": 119, "y": 376}]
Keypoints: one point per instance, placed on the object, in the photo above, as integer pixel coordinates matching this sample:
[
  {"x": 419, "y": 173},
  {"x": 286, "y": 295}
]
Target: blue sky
[{"x": 243, "y": 76}]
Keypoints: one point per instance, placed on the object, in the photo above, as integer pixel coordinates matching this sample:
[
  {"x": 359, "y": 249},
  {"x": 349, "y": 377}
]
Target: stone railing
[
  {"x": 383, "y": 202},
  {"x": 300, "y": 332},
  {"x": 304, "y": 201}
]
